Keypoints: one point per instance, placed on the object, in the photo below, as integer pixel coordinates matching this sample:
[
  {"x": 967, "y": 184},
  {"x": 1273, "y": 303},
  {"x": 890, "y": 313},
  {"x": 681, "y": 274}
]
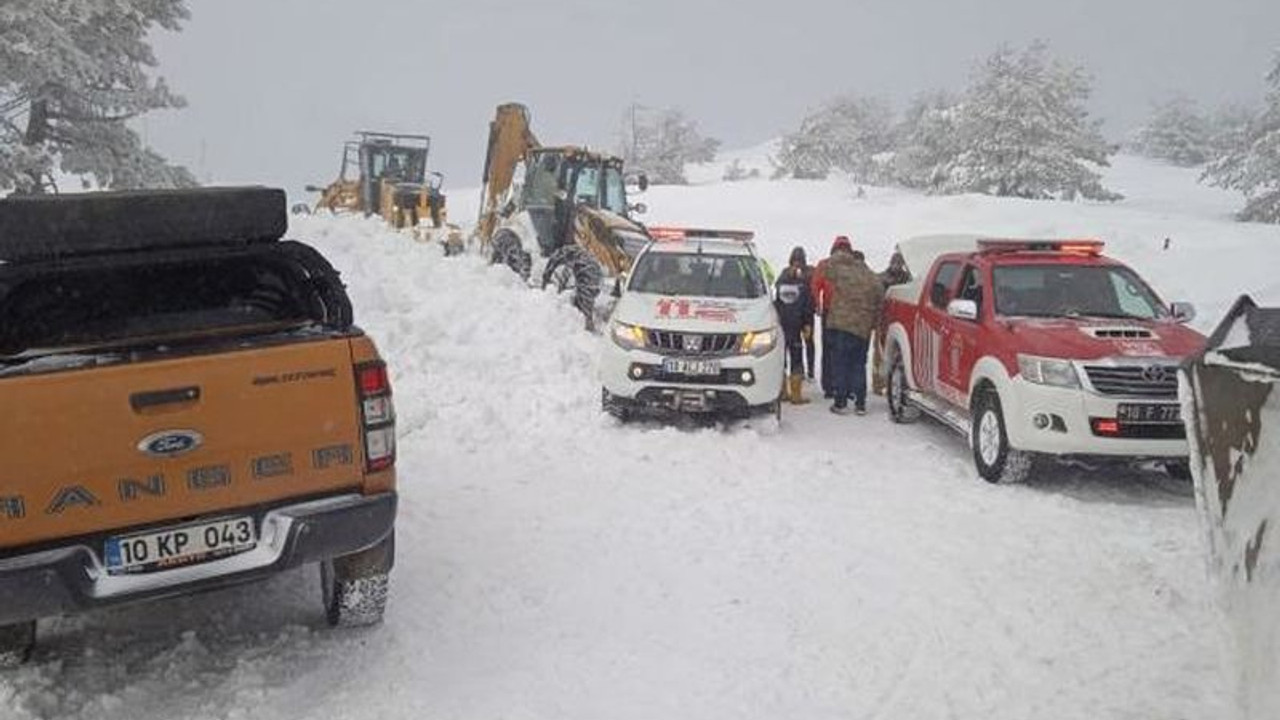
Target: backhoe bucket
[{"x": 1231, "y": 402}]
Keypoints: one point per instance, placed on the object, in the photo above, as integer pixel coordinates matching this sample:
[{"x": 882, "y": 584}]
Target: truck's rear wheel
[
  {"x": 16, "y": 643},
  {"x": 901, "y": 409},
  {"x": 506, "y": 250},
  {"x": 356, "y": 586},
  {"x": 573, "y": 269},
  {"x": 995, "y": 460}
]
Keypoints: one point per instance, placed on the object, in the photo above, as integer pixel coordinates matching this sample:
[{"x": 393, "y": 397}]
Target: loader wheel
[
  {"x": 16, "y": 643},
  {"x": 995, "y": 460},
  {"x": 507, "y": 251},
  {"x": 901, "y": 409},
  {"x": 573, "y": 269},
  {"x": 356, "y": 586}
]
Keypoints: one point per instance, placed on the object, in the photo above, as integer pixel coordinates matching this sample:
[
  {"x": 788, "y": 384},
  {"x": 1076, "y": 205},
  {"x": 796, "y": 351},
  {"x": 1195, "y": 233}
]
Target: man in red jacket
[{"x": 820, "y": 292}]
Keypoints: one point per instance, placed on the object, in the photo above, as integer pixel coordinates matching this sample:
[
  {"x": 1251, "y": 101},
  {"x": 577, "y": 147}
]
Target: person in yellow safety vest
[{"x": 767, "y": 269}]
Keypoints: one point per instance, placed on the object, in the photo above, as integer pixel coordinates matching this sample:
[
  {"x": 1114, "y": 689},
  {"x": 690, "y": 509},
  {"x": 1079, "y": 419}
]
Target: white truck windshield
[{"x": 698, "y": 275}]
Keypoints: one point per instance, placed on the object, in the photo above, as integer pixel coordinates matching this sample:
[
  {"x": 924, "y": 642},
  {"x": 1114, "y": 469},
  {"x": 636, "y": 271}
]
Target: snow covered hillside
[{"x": 555, "y": 564}]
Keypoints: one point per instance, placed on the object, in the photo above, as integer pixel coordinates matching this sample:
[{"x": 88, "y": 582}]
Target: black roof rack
[{"x": 45, "y": 227}]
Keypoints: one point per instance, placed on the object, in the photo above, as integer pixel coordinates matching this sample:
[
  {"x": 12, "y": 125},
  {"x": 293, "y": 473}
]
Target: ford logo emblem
[{"x": 170, "y": 443}]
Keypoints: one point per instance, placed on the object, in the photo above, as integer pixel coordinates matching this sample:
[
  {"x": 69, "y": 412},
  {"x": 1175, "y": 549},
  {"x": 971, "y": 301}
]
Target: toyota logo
[{"x": 1155, "y": 374}]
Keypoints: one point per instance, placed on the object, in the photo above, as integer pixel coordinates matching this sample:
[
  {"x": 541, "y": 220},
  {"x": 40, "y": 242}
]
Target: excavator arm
[{"x": 510, "y": 140}]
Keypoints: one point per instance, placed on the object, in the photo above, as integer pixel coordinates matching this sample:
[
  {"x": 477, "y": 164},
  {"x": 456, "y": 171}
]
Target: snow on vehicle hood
[
  {"x": 695, "y": 314},
  {"x": 1093, "y": 338}
]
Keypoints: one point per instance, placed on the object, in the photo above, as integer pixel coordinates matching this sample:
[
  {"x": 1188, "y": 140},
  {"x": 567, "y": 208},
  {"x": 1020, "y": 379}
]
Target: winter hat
[{"x": 841, "y": 243}]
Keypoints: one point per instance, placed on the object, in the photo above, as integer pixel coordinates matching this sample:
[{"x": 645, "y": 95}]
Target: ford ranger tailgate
[{"x": 96, "y": 450}]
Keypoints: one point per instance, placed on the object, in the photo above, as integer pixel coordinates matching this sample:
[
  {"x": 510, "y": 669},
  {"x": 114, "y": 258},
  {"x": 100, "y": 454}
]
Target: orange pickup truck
[{"x": 185, "y": 403}]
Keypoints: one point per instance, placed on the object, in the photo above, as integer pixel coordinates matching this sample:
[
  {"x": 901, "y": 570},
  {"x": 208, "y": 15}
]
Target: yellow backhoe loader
[{"x": 567, "y": 204}]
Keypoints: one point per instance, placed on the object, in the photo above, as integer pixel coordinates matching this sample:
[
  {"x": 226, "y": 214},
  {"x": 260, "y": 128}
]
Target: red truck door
[
  {"x": 963, "y": 339},
  {"x": 929, "y": 336}
]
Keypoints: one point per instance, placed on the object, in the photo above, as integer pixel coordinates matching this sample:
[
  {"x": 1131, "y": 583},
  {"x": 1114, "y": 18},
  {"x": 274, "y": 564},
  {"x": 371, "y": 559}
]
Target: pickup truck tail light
[{"x": 377, "y": 415}]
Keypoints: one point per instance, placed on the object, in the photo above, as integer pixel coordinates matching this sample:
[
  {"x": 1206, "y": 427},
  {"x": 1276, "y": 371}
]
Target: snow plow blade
[{"x": 1231, "y": 402}]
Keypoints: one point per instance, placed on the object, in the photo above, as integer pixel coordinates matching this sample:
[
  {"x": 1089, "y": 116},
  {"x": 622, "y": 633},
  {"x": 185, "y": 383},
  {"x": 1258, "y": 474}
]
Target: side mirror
[
  {"x": 642, "y": 182},
  {"x": 963, "y": 309},
  {"x": 639, "y": 208},
  {"x": 1183, "y": 312}
]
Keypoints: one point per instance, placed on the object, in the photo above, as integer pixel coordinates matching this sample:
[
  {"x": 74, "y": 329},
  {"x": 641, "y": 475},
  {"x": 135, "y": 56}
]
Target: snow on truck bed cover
[{"x": 919, "y": 253}]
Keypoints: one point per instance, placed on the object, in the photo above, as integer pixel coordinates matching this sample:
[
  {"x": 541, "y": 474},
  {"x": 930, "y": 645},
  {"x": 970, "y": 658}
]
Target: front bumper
[
  {"x": 1070, "y": 413},
  {"x": 636, "y": 377},
  {"x": 72, "y": 578}
]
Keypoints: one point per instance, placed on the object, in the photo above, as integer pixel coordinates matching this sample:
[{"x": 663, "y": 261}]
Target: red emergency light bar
[
  {"x": 1081, "y": 246},
  {"x": 669, "y": 234}
]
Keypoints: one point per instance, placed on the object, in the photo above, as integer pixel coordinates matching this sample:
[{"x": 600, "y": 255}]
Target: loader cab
[
  {"x": 558, "y": 181},
  {"x": 396, "y": 159}
]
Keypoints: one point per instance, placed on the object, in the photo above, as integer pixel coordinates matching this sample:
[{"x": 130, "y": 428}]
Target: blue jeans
[
  {"x": 828, "y": 352},
  {"x": 848, "y": 368}
]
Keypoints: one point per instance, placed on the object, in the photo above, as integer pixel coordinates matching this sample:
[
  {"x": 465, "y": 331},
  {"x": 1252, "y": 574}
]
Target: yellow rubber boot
[{"x": 795, "y": 387}]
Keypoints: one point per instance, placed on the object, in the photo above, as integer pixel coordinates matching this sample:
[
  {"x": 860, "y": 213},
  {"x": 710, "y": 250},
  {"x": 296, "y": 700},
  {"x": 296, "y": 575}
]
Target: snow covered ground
[{"x": 554, "y": 564}]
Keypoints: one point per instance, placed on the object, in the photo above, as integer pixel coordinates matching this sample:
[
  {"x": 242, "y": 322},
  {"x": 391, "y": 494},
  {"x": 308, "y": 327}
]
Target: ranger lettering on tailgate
[{"x": 155, "y": 488}]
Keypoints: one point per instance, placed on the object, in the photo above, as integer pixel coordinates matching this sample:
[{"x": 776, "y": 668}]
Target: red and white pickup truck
[{"x": 1036, "y": 347}]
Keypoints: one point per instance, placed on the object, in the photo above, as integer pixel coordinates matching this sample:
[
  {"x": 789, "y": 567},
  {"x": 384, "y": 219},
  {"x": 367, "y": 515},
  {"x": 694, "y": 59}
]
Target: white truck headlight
[
  {"x": 759, "y": 343},
  {"x": 627, "y": 337},
  {"x": 1048, "y": 371}
]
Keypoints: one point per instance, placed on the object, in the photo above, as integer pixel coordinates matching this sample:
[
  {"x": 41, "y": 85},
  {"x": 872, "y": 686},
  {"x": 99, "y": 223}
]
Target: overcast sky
[{"x": 275, "y": 86}]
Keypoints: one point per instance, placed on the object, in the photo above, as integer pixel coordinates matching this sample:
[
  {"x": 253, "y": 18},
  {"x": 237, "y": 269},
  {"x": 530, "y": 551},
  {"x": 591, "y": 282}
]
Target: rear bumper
[{"x": 72, "y": 578}]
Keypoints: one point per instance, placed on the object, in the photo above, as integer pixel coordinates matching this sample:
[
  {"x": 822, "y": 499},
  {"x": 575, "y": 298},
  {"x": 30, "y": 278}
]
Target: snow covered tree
[
  {"x": 1228, "y": 126},
  {"x": 661, "y": 142},
  {"x": 926, "y": 141},
  {"x": 846, "y": 134},
  {"x": 736, "y": 172},
  {"x": 73, "y": 73},
  {"x": 1177, "y": 132},
  {"x": 1024, "y": 131},
  {"x": 1253, "y": 166}
]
